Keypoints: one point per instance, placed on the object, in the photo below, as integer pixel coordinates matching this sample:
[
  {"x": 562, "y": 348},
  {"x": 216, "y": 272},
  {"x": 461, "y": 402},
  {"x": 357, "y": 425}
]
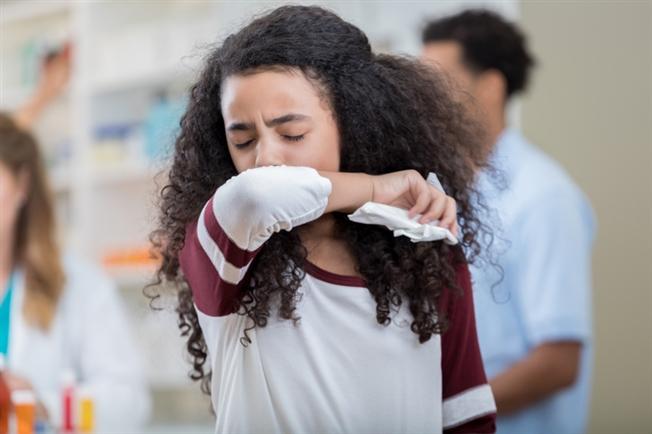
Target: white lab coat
[{"x": 89, "y": 336}]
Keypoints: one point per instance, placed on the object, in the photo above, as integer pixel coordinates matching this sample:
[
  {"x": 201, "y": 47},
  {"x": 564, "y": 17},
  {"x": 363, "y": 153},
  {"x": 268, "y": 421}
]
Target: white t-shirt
[{"x": 337, "y": 370}]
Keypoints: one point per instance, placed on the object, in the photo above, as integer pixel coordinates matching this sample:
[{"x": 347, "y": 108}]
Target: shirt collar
[
  {"x": 503, "y": 161},
  {"x": 507, "y": 145}
]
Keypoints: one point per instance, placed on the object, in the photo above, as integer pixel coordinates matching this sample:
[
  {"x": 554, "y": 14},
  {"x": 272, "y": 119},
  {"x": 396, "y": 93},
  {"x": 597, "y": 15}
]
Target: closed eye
[
  {"x": 294, "y": 138},
  {"x": 243, "y": 144}
]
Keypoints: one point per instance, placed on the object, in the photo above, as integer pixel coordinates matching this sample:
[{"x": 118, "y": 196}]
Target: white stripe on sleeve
[
  {"x": 227, "y": 271},
  {"x": 468, "y": 405}
]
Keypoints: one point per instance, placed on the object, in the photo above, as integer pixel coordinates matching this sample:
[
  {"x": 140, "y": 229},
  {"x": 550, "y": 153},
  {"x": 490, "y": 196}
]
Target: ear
[{"x": 492, "y": 87}]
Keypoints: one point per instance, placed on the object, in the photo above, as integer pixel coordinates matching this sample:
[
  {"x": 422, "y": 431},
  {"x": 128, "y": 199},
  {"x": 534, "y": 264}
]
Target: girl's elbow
[{"x": 248, "y": 194}]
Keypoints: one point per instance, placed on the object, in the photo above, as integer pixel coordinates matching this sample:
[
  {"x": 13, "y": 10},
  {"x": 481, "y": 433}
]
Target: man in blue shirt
[{"x": 534, "y": 325}]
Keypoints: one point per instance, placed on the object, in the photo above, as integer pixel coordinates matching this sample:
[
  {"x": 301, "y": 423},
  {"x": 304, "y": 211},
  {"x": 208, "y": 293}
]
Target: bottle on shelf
[
  {"x": 86, "y": 423},
  {"x": 68, "y": 401},
  {"x": 5, "y": 399},
  {"x": 24, "y": 403}
]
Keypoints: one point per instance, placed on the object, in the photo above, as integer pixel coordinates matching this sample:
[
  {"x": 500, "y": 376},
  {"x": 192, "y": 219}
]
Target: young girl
[{"x": 311, "y": 322}]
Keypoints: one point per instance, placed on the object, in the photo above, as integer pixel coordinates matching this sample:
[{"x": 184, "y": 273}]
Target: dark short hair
[{"x": 488, "y": 42}]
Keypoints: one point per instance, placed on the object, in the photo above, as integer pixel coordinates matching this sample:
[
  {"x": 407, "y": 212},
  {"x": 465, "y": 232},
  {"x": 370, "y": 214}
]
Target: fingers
[
  {"x": 442, "y": 208},
  {"x": 438, "y": 206},
  {"x": 449, "y": 216},
  {"x": 422, "y": 192},
  {"x": 425, "y": 200},
  {"x": 16, "y": 383}
]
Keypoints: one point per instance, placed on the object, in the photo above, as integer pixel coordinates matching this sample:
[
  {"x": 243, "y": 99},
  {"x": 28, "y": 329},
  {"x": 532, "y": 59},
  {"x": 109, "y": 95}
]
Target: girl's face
[{"x": 278, "y": 118}]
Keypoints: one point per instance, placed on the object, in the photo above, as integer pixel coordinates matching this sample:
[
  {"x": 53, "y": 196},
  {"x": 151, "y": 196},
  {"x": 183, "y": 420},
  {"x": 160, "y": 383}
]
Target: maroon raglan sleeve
[{"x": 468, "y": 403}]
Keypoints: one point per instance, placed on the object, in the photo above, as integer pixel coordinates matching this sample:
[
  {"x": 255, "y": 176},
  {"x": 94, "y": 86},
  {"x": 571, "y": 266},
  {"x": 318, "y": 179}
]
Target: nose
[{"x": 268, "y": 152}]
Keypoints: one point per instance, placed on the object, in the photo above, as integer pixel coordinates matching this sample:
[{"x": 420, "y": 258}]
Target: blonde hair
[{"x": 35, "y": 247}]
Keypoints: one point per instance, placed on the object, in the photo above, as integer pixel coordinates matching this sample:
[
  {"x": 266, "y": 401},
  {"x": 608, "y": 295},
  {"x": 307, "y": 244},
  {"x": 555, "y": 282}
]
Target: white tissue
[
  {"x": 397, "y": 220},
  {"x": 434, "y": 181}
]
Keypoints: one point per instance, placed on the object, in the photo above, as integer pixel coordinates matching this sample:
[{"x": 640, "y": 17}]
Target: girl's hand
[
  {"x": 405, "y": 189},
  {"x": 408, "y": 190}
]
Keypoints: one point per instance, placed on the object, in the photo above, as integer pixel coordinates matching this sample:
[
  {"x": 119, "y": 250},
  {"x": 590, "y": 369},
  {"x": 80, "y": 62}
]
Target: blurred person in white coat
[{"x": 58, "y": 314}]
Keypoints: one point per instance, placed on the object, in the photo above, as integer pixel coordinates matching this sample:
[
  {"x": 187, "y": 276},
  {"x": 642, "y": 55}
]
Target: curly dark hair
[
  {"x": 392, "y": 114},
  {"x": 488, "y": 42}
]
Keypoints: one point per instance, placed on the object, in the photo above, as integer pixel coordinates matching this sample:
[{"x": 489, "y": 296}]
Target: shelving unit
[
  {"x": 125, "y": 55},
  {"x": 106, "y": 205},
  {"x": 13, "y": 12}
]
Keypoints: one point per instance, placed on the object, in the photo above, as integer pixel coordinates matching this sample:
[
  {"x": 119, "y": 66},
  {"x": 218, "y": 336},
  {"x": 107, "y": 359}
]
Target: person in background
[
  {"x": 534, "y": 324},
  {"x": 59, "y": 316}
]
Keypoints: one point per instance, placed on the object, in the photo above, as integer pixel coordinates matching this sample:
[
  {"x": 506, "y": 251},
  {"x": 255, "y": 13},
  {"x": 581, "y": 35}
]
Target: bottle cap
[
  {"x": 85, "y": 392},
  {"x": 22, "y": 397}
]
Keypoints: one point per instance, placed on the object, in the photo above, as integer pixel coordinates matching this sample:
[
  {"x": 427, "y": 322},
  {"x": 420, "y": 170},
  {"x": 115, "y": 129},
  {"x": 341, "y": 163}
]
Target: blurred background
[{"x": 107, "y": 138}]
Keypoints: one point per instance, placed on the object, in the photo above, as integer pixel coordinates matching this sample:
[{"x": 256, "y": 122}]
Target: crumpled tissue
[{"x": 397, "y": 220}]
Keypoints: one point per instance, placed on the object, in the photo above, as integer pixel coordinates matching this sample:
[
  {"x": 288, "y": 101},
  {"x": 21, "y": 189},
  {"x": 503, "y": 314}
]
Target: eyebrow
[{"x": 291, "y": 117}]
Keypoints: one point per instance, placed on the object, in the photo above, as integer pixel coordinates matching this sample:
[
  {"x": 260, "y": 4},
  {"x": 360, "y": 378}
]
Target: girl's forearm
[{"x": 349, "y": 191}]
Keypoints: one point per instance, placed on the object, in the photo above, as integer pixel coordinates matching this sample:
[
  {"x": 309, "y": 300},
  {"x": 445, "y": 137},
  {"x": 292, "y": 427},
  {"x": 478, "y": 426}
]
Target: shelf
[
  {"x": 106, "y": 176},
  {"x": 178, "y": 428},
  {"x": 172, "y": 380},
  {"x": 130, "y": 276},
  {"x": 156, "y": 78},
  {"x": 17, "y": 11},
  {"x": 122, "y": 173}
]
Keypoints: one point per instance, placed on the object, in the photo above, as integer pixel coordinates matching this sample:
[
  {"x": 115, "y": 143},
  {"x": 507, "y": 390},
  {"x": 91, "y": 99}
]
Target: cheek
[
  {"x": 242, "y": 160},
  {"x": 326, "y": 147},
  {"x": 320, "y": 151},
  {"x": 331, "y": 155}
]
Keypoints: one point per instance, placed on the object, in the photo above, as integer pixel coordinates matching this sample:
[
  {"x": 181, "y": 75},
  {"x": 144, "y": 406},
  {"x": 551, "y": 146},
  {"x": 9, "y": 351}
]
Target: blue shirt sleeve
[{"x": 552, "y": 284}]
